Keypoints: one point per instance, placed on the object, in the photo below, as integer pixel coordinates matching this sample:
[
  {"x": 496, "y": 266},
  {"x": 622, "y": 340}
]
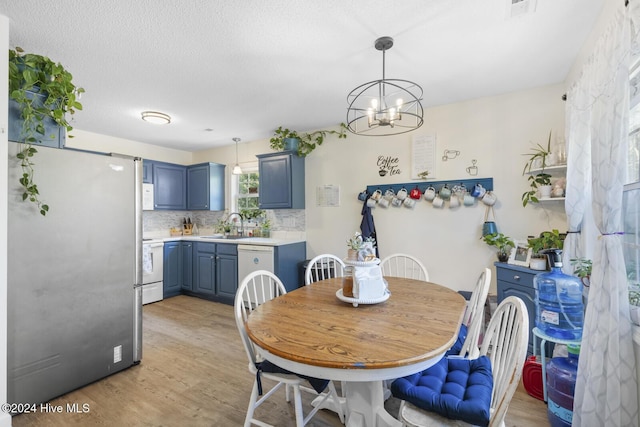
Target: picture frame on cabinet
[{"x": 520, "y": 253}]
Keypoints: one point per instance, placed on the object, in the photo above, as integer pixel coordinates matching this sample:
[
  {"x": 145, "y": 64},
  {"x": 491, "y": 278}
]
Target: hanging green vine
[{"x": 42, "y": 89}]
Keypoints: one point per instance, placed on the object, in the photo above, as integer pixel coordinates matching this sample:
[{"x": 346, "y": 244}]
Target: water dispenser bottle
[
  {"x": 561, "y": 385},
  {"x": 559, "y": 307}
]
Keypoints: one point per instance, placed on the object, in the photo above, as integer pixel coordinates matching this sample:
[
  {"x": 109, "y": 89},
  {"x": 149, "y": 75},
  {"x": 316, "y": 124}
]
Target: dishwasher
[{"x": 252, "y": 258}]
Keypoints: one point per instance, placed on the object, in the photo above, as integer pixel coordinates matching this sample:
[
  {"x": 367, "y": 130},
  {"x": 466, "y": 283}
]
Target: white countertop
[{"x": 277, "y": 239}]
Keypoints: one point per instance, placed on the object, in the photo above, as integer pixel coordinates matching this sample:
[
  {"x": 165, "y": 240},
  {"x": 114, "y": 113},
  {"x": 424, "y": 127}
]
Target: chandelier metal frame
[{"x": 386, "y": 106}]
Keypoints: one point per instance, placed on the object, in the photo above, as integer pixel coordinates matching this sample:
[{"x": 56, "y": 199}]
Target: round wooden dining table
[{"x": 312, "y": 332}]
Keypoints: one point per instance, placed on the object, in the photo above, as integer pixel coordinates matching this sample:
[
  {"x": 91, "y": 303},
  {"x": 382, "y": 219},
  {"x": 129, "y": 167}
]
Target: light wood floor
[{"x": 194, "y": 373}]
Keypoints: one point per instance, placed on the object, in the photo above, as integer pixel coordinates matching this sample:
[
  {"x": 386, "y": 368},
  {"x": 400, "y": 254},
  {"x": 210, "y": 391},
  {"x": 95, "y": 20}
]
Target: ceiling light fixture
[
  {"x": 387, "y": 106},
  {"x": 236, "y": 168},
  {"x": 156, "y": 117}
]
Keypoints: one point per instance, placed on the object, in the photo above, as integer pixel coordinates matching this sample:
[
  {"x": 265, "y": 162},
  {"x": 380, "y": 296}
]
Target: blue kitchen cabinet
[
  {"x": 147, "y": 171},
  {"x": 281, "y": 180},
  {"x": 187, "y": 265},
  {"x": 205, "y": 269},
  {"x": 172, "y": 269},
  {"x": 205, "y": 187},
  {"x": 227, "y": 272},
  {"x": 169, "y": 186},
  {"x": 286, "y": 261}
]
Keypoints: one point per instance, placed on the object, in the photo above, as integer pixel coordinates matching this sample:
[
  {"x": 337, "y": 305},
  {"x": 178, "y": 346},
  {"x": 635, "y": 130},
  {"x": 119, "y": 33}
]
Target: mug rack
[{"x": 487, "y": 183}]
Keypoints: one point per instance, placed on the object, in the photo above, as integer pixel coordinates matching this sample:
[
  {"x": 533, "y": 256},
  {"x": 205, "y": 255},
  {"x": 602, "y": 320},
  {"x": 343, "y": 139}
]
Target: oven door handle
[{"x": 154, "y": 245}]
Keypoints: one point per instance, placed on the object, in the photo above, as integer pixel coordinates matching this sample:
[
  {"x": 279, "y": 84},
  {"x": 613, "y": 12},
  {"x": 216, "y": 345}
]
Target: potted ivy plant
[
  {"x": 303, "y": 142},
  {"x": 502, "y": 243},
  {"x": 42, "y": 89},
  {"x": 539, "y": 182}
]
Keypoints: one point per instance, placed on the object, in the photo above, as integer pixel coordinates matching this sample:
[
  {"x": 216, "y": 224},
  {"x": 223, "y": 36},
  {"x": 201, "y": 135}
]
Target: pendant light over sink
[
  {"x": 236, "y": 169},
  {"x": 387, "y": 106}
]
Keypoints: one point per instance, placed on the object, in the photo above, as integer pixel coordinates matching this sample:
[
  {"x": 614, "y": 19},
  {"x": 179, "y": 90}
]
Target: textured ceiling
[{"x": 225, "y": 69}]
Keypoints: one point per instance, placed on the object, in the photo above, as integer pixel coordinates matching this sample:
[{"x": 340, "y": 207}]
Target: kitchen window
[{"x": 245, "y": 189}]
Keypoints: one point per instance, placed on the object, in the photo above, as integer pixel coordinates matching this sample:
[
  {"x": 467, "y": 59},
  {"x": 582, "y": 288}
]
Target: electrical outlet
[{"x": 117, "y": 354}]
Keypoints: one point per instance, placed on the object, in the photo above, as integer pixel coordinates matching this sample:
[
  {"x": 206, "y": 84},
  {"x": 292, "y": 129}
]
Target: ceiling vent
[{"x": 520, "y": 7}]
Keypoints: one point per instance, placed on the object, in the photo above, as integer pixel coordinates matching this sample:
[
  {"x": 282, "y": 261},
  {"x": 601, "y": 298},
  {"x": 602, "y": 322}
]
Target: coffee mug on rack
[
  {"x": 489, "y": 198},
  {"x": 454, "y": 202},
  {"x": 409, "y": 203},
  {"x": 389, "y": 194},
  {"x": 376, "y": 195},
  {"x": 362, "y": 196},
  {"x": 445, "y": 192},
  {"x": 429, "y": 194},
  {"x": 438, "y": 202},
  {"x": 371, "y": 202},
  {"x": 478, "y": 190},
  {"x": 415, "y": 193},
  {"x": 395, "y": 202},
  {"x": 402, "y": 193},
  {"x": 468, "y": 200},
  {"x": 384, "y": 202}
]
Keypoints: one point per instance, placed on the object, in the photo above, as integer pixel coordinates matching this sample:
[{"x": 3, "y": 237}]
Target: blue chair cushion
[
  {"x": 457, "y": 347},
  {"x": 455, "y": 388}
]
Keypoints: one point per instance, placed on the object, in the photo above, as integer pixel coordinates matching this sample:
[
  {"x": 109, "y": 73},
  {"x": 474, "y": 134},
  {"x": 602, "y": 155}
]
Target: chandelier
[{"x": 387, "y": 106}]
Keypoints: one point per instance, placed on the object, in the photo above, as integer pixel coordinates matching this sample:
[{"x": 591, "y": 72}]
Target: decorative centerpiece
[{"x": 363, "y": 282}]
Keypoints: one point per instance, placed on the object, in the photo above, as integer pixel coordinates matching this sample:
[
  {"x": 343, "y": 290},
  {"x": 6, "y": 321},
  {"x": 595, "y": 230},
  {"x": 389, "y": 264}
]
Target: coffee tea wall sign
[{"x": 388, "y": 166}]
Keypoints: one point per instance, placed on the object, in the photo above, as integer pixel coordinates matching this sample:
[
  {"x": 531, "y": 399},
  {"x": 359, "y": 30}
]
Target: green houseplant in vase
[
  {"x": 303, "y": 142},
  {"x": 540, "y": 182},
  {"x": 502, "y": 243},
  {"x": 43, "y": 90}
]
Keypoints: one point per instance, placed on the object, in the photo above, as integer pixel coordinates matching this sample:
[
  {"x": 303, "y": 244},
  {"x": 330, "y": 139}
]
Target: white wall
[
  {"x": 5, "y": 419},
  {"x": 495, "y": 131}
]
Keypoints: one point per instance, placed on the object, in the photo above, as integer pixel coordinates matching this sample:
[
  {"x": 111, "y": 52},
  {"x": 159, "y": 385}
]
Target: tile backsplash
[{"x": 161, "y": 220}]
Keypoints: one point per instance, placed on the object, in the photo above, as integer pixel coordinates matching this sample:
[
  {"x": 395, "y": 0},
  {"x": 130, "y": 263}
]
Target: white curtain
[{"x": 606, "y": 387}]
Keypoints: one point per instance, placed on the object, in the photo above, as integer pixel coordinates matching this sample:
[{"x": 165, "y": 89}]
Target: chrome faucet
[{"x": 241, "y": 221}]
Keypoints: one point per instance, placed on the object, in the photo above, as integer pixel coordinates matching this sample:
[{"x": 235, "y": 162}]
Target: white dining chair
[
  {"x": 257, "y": 288},
  {"x": 325, "y": 266},
  {"x": 504, "y": 345},
  {"x": 474, "y": 317},
  {"x": 403, "y": 265}
]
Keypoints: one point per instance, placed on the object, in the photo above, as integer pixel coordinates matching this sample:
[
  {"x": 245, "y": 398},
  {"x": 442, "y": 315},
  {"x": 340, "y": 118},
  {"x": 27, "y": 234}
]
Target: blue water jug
[
  {"x": 559, "y": 307},
  {"x": 561, "y": 385}
]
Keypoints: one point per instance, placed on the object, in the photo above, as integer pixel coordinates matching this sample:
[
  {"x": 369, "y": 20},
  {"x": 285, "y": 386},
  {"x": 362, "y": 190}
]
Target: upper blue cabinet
[
  {"x": 169, "y": 186},
  {"x": 281, "y": 180},
  {"x": 54, "y": 135},
  {"x": 205, "y": 187}
]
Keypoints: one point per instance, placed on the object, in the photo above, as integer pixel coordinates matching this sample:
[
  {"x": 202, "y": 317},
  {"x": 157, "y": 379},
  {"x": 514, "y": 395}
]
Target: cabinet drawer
[
  {"x": 206, "y": 247},
  {"x": 227, "y": 249},
  {"x": 516, "y": 277}
]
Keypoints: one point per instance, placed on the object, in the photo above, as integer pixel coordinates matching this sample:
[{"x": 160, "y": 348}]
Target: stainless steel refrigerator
[{"x": 74, "y": 275}]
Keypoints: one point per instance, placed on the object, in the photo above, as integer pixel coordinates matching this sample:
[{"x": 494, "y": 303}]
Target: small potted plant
[
  {"x": 266, "y": 228},
  {"x": 43, "y": 90},
  {"x": 303, "y": 142},
  {"x": 502, "y": 243},
  {"x": 540, "y": 182},
  {"x": 547, "y": 240}
]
